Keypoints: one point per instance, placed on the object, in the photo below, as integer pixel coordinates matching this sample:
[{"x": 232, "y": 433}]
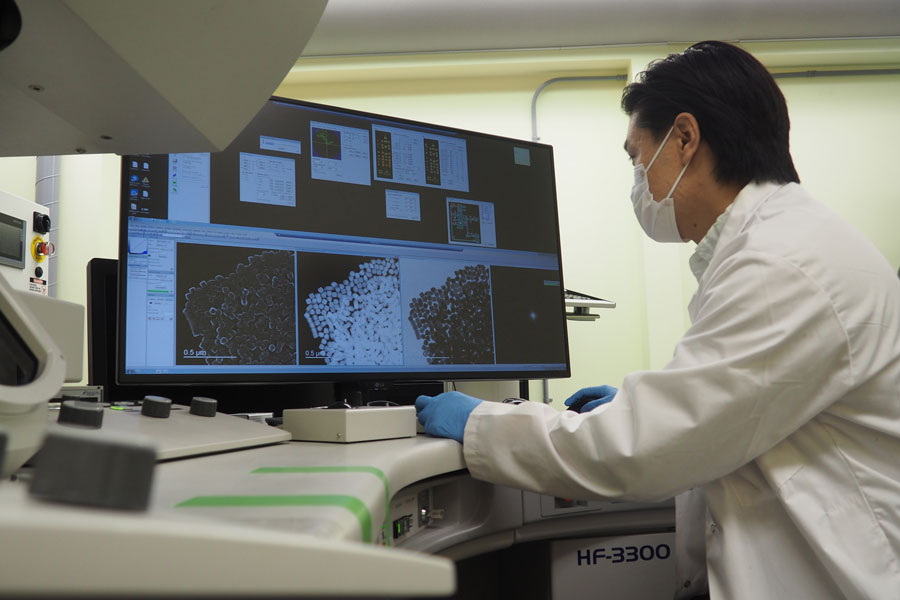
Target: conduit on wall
[
  {"x": 46, "y": 193},
  {"x": 537, "y": 92}
]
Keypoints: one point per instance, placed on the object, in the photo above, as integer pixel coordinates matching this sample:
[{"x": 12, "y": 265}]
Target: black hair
[{"x": 741, "y": 111}]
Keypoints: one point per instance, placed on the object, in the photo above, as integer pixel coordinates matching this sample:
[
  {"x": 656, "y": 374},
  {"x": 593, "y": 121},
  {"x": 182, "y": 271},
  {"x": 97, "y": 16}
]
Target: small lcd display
[{"x": 12, "y": 241}]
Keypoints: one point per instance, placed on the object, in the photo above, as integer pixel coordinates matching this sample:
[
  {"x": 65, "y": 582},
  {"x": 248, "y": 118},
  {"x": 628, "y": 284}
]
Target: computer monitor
[{"x": 327, "y": 244}]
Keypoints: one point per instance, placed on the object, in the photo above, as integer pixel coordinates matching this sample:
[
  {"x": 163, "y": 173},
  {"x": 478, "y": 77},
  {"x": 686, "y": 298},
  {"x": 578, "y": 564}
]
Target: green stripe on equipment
[
  {"x": 354, "y": 505},
  {"x": 342, "y": 469}
]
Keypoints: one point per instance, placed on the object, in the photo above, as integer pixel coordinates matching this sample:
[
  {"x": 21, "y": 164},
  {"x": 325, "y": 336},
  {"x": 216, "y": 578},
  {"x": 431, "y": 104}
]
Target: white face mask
[{"x": 656, "y": 218}]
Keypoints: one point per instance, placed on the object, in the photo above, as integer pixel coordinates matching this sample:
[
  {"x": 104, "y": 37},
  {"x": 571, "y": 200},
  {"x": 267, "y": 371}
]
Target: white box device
[{"x": 350, "y": 424}]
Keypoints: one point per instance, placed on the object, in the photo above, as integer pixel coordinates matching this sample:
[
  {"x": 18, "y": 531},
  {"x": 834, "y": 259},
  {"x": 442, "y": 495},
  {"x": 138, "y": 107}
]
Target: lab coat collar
[
  {"x": 736, "y": 218},
  {"x": 703, "y": 253}
]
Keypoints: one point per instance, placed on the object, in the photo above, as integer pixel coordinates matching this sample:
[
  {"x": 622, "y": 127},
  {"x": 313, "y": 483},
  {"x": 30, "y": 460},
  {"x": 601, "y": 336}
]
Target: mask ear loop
[
  {"x": 658, "y": 150},
  {"x": 675, "y": 185}
]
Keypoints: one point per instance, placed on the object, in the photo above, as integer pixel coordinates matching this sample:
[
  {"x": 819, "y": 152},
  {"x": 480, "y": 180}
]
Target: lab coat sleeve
[{"x": 766, "y": 353}]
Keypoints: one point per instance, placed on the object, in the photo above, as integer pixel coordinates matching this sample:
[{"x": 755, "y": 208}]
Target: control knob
[
  {"x": 203, "y": 407},
  {"x": 94, "y": 468},
  {"x": 156, "y": 406},
  {"x": 79, "y": 412},
  {"x": 41, "y": 223}
]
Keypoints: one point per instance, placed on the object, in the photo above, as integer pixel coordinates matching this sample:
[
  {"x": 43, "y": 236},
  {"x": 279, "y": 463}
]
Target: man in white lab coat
[{"x": 777, "y": 421}]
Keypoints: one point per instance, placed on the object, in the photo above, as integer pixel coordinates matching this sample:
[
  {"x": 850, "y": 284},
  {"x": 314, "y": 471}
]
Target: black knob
[
  {"x": 79, "y": 412},
  {"x": 38, "y": 272},
  {"x": 41, "y": 223},
  {"x": 203, "y": 407},
  {"x": 156, "y": 406},
  {"x": 94, "y": 468}
]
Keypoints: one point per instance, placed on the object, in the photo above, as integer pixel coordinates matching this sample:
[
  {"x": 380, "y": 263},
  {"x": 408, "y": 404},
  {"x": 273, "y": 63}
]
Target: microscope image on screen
[
  {"x": 355, "y": 321},
  {"x": 238, "y": 306},
  {"x": 454, "y": 321}
]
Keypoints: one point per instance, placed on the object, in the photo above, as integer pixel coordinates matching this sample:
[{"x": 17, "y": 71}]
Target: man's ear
[{"x": 687, "y": 134}]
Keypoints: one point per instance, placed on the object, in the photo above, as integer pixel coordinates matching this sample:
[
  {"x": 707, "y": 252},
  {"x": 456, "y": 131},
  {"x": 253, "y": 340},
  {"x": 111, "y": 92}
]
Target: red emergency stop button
[{"x": 41, "y": 249}]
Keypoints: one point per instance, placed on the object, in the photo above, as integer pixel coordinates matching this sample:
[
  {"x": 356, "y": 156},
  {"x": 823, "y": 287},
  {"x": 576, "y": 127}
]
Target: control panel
[
  {"x": 461, "y": 517},
  {"x": 175, "y": 431},
  {"x": 411, "y": 512},
  {"x": 25, "y": 243}
]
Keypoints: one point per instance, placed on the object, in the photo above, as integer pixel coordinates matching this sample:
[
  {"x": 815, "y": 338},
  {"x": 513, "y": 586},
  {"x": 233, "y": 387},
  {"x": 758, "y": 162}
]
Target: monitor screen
[{"x": 326, "y": 244}]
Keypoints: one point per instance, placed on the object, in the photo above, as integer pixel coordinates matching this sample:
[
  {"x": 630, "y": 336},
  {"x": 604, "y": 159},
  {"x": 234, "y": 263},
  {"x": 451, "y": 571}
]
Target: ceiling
[{"x": 360, "y": 27}]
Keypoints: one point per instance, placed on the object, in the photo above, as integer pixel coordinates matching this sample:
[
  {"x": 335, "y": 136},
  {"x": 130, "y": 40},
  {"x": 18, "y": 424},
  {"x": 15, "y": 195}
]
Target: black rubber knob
[
  {"x": 158, "y": 407},
  {"x": 203, "y": 407},
  {"x": 81, "y": 413},
  {"x": 94, "y": 468},
  {"x": 41, "y": 223}
]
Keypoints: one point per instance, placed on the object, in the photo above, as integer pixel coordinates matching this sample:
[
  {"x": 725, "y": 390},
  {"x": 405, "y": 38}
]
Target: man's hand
[
  {"x": 589, "y": 398},
  {"x": 445, "y": 415}
]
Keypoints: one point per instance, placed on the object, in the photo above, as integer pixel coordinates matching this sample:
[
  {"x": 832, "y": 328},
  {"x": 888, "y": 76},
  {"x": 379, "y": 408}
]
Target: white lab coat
[{"x": 781, "y": 402}]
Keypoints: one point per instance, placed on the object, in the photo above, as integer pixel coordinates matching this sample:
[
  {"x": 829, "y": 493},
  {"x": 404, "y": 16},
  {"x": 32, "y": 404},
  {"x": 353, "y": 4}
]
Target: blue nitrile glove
[
  {"x": 589, "y": 398},
  {"x": 445, "y": 415}
]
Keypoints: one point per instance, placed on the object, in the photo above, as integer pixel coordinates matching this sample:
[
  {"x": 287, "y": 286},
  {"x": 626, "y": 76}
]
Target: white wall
[
  {"x": 844, "y": 138},
  {"x": 844, "y": 134},
  {"x": 17, "y": 175}
]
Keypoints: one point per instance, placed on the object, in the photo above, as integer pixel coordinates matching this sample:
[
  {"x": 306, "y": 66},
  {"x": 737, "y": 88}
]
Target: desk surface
[
  {"x": 300, "y": 519},
  {"x": 284, "y": 519}
]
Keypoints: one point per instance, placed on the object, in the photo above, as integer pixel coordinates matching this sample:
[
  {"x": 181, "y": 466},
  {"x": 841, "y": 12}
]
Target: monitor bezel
[{"x": 367, "y": 378}]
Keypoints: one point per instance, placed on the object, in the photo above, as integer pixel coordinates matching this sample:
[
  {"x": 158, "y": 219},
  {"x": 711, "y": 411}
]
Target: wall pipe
[
  {"x": 537, "y": 92},
  {"x": 46, "y": 193}
]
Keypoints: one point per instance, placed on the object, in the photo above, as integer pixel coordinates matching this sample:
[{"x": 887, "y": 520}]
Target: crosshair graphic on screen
[{"x": 326, "y": 143}]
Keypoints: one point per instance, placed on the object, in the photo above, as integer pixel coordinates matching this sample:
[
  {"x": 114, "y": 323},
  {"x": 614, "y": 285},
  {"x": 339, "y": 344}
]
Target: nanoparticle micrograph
[
  {"x": 454, "y": 320},
  {"x": 357, "y": 321},
  {"x": 245, "y": 316}
]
